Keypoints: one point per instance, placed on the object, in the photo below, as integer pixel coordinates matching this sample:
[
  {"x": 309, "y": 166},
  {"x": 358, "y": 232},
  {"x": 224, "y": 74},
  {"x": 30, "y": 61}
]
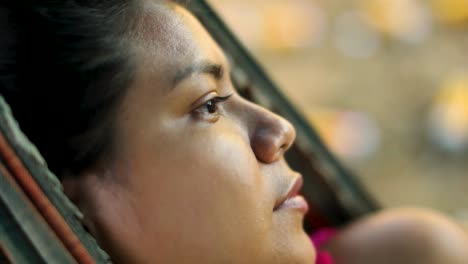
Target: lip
[{"x": 292, "y": 200}]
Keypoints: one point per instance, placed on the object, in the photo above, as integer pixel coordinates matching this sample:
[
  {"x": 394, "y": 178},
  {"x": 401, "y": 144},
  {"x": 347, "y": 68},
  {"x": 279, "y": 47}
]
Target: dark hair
[{"x": 64, "y": 67}]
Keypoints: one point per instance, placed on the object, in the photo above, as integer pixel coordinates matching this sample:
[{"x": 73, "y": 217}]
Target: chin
[
  {"x": 305, "y": 251},
  {"x": 299, "y": 250}
]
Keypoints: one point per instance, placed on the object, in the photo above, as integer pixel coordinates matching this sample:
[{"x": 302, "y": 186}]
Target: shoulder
[{"x": 407, "y": 235}]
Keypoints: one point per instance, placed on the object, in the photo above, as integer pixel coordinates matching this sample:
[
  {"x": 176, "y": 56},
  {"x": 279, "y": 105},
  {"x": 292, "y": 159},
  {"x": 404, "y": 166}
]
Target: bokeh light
[
  {"x": 406, "y": 20},
  {"x": 354, "y": 37},
  {"x": 276, "y": 26},
  {"x": 293, "y": 24},
  {"x": 351, "y": 135},
  {"x": 448, "y": 118},
  {"x": 451, "y": 11}
]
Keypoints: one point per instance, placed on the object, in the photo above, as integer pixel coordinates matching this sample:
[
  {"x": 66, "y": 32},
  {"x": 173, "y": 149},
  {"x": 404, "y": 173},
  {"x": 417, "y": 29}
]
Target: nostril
[{"x": 282, "y": 148}]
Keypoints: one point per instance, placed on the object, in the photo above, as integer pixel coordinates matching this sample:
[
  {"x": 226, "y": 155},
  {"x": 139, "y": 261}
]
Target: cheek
[
  {"x": 201, "y": 189},
  {"x": 116, "y": 226},
  {"x": 209, "y": 173}
]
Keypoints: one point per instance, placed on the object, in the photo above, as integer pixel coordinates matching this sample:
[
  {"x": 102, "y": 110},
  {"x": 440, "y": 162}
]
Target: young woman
[{"x": 131, "y": 104}]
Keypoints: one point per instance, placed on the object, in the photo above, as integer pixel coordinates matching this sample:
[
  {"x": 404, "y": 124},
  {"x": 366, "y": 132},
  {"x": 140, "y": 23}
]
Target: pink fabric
[
  {"x": 324, "y": 258},
  {"x": 319, "y": 238}
]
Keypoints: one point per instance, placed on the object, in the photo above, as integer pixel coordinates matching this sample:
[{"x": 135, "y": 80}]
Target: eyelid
[
  {"x": 212, "y": 95},
  {"x": 203, "y": 99},
  {"x": 199, "y": 110},
  {"x": 220, "y": 99}
]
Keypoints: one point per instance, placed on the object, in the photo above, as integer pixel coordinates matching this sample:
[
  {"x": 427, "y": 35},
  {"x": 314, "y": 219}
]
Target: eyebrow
[{"x": 214, "y": 69}]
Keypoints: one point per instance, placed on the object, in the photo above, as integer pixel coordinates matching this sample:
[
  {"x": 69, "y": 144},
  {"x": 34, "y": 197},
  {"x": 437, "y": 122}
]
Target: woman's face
[{"x": 197, "y": 173}]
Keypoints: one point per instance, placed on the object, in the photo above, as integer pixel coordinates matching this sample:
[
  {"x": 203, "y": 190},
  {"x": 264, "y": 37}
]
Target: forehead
[{"x": 170, "y": 37}]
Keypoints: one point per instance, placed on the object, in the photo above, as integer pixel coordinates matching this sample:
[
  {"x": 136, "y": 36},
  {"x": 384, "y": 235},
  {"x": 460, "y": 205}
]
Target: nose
[{"x": 272, "y": 136}]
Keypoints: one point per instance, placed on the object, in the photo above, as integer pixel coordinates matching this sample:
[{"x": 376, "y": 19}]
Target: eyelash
[{"x": 210, "y": 110}]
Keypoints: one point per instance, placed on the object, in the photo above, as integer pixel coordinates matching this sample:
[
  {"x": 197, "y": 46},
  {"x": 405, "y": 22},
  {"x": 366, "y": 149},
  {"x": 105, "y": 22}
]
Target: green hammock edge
[{"x": 48, "y": 181}]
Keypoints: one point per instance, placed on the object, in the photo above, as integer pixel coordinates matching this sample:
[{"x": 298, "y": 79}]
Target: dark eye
[
  {"x": 210, "y": 109},
  {"x": 211, "y": 106}
]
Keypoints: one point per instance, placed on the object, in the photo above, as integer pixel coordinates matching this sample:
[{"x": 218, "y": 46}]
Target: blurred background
[{"x": 385, "y": 82}]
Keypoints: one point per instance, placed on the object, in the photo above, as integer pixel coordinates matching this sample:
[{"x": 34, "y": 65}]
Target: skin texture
[
  {"x": 190, "y": 181},
  {"x": 404, "y": 236}
]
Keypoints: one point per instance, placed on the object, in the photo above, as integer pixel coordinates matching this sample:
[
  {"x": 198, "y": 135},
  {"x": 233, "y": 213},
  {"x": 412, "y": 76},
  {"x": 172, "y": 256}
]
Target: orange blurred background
[{"x": 385, "y": 82}]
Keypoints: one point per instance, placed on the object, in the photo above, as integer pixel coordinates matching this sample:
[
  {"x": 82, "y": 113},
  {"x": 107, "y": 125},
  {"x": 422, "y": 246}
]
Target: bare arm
[{"x": 401, "y": 236}]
